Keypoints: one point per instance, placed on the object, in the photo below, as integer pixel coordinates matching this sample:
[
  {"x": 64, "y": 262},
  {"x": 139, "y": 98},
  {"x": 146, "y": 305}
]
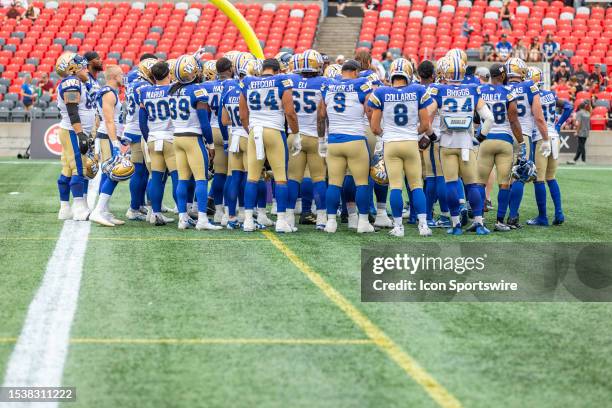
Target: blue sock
[
  {"x": 516, "y": 196},
  {"x": 282, "y": 194},
  {"x": 540, "y": 196},
  {"x": 430, "y": 195},
  {"x": 320, "y": 187},
  {"x": 85, "y": 185},
  {"x": 461, "y": 189},
  {"x": 349, "y": 189},
  {"x": 226, "y": 186},
  {"x": 381, "y": 193},
  {"x": 397, "y": 202},
  {"x": 190, "y": 190},
  {"x": 182, "y": 192},
  {"x": 76, "y": 186},
  {"x": 441, "y": 193},
  {"x": 234, "y": 191},
  {"x": 503, "y": 196},
  {"x": 108, "y": 187},
  {"x": 294, "y": 189},
  {"x": 332, "y": 199},
  {"x": 413, "y": 212},
  {"x": 242, "y": 186},
  {"x": 262, "y": 194},
  {"x": 144, "y": 186},
  {"x": 363, "y": 195},
  {"x": 201, "y": 194},
  {"x": 63, "y": 185},
  {"x": 216, "y": 188},
  {"x": 156, "y": 190},
  {"x": 307, "y": 190},
  {"x": 452, "y": 197},
  {"x": 174, "y": 178},
  {"x": 418, "y": 201},
  {"x": 555, "y": 194},
  {"x": 475, "y": 199},
  {"x": 149, "y": 188},
  {"x": 136, "y": 185},
  {"x": 250, "y": 195},
  {"x": 102, "y": 181},
  {"x": 371, "y": 203}
]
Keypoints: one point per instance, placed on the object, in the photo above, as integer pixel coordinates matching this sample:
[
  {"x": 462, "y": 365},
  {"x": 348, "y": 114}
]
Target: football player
[
  {"x": 547, "y": 166},
  {"x": 157, "y": 128},
  {"x": 435, "y": 186},
  {"x": 108, "y": 143},
  {"x": 306, "y": 98},
  {"x": 530, "y": 113},
  {"x": 379, "y": 190},
  {"x": 400, "y": 116},
  {"x": 284, "y": 59},
  {"x": 265, "y": 102},
  {"x": 137, "y": 79},
  {"x": 341, "y": 111},
  {"x": 94, "y": 67},
  {"x": 457, "y": 104},
  {"x": 193, "y": 139},
  {"x": 75, "y": 127},
  {"x": 497, "y": 149}
]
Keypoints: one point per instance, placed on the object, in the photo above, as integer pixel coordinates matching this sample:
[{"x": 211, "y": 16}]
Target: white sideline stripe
[
  {"x": 40, "y": 352},
  {"x": 31, "y": 162}
]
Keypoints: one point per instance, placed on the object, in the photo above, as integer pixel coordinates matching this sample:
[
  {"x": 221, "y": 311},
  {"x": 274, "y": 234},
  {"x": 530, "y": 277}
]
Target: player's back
[
  {"x": 456, "y": 106},
  {"x": 525, "y": 92},
  {"x": 400, "y": 110},
  {"x": 264, "y": 98},
  {"x": 306, "y": 98},
  {"x": 73, "y": 84},
  {"x": 133, "y": 107},
  {"x": 344, "y": 99},
  {"x": 156, "y": 102},
  {"x": 230, "y": 100},
  {"x": 214, "y": 90},
  {"x": 103, "y": 128},
  {"x": 183, "y": 107},
  {"x": 548, "y": 99},
  {"x": 497, "y": 98}
]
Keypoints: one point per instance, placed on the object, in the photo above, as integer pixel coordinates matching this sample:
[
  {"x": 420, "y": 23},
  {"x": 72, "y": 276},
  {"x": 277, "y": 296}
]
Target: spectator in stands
[
  {"x": 13, "y": 12},
  {"x": 467, "y": 29},
  {"x": 574, "y": 87},
  {"x": 581, "y": 74},
  {"x": 340, "y": 59},
  {"x": 46, "y": 85},
  {"x": 563, "y": 72},
  {"x": 559, "y": 59},
  {"x": 549, "y": 48},
  {"x": 596, "y": 75},
  {"x": 487, "y": 49},
  {"x": 506, "y": 16},
  {"x": 503, "y": 48},
  {"x": 387, "y": 59},
  {"x": 483, "y": 74},
  {"x": 341, "y": 6},
  {"x": 27, "y": 92},
  {"x": 520, "y": 51},
  {"x": 583, "y": 128},
  {"x": 32, "y": 13},
  {"x": 372, "y": 5},
  {"x": 535, "y": 55}
]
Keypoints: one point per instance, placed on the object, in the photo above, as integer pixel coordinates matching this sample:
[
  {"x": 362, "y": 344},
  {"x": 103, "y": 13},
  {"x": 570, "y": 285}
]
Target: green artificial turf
[{"x": 142, "y": 283}]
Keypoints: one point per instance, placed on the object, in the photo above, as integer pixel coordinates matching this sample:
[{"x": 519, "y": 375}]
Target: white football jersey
[
  {"x": 183, "y": 110},
  {"x": 306, "y": 98},
  {"x": 214, "y": 90},
  {"x": 156, "y": 102},
  {"x": 133, "y": 107},
  {"x": 344, "y": 99},
  {"x": 102, "y": 128},
  {"x": 72, "y": 83},
  {"x": 525, "y": 92},
  {"x": 264, "y": 98},
  {"x": 230, "y": 101}
]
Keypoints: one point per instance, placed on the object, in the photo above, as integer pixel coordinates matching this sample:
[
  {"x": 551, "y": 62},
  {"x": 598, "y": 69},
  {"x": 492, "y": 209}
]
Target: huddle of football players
[{"x": 341, "y": 135}]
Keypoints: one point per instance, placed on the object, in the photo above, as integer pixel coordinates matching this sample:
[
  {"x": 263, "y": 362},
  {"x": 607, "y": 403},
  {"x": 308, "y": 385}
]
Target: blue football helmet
[{"x": 524, "y": 170}]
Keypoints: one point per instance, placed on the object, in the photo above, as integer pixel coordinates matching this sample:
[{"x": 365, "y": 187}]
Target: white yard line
[{"x": 41, "y": 349}]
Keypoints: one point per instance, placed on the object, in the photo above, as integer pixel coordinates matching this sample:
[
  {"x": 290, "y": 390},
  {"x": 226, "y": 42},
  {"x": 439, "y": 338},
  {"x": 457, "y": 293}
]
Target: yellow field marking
[
  {"x": 135, "y": 239},
  {"x": 205, "y": 341},
  {"x": 435, "y": 390}
]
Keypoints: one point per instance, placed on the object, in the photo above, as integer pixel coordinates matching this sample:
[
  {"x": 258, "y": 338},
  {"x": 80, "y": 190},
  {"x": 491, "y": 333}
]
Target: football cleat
[
  {"x": 501, "y": 227},
  {"x": 559, "y": 219},
  {"x": 113, "y": 219},
  {"x": 514, "y": 223},
  {"x": 186, "y": 223},
  {"x": 135, "y": 215},
  {"x": 397, "y": 231},
  {"x": 364, "y": 227},
  {"x": 480, "y": 229},
  {"x": 101, "y": 218},
  {"x": 383, "y": 221},
  {"x": 65, "y": 213},
  {"x": 464, "y": 213},
  {"x": 248, "y": 225},
  {"x": 321, "y": 220},
  {"x": 488, "y": 205},
  {"x": 538, "y": 221},
  {"x": 443, "y": 222},
  {"x": 157, "y": 219},
  {"x": 331, "y": 225},
  {"x": 353, "y": 220},
  {"x": 283, "y": 226},
  {"x": 204, "y": 224},
  {"x": 424, "y": 230},
  {"x": 432, "y": 224},
  {"x": 233, "y": 225},
  {"x": 308, "y": 218},
  {"x": 264, "y": 220},
  {"x": 80, "y": 211},
  {"x": 456, "y": 230},
  {"x": 224, "y": 219}
]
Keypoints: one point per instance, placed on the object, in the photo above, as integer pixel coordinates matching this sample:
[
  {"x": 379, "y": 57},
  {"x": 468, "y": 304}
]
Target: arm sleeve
[
  {"x": 567, "y": 111},
  {"x": 205, "y": 125},
  {"x": 142, "y": 123},
  {"x": 73, "y": 113},
  {"x": 486, "y": 118}
]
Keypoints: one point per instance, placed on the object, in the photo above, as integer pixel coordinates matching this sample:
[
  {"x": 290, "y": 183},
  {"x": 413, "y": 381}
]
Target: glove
[
  {"x": 522, "y": 154},
  {"x": 479, "y": 136},
  {"x": 545, "y": 148},
  {"x": 83, "y": 142},
  {"x": 116, "y": 148},
  {"x": 124, "y": 140},
  {"x": 225, "y": 146},
  {"x": 323, "y": 147},
  {"x": 424, "y": 142},
  {"x": 296, "y": 146},
  {"x": 433, "y": 137}
]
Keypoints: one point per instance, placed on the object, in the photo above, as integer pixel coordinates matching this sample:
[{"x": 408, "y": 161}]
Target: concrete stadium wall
[{"x": 15, "y": 138}]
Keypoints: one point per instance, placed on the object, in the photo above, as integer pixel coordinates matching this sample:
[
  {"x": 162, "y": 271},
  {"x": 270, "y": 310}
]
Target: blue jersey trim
[
  {"x": 500, "y": 136},
  {"x": 342, "y": 138}
]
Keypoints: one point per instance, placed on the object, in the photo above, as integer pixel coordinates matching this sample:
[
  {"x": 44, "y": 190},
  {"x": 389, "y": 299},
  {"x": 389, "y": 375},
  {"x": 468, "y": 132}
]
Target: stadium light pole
[{"x": 239, "y": 21}]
